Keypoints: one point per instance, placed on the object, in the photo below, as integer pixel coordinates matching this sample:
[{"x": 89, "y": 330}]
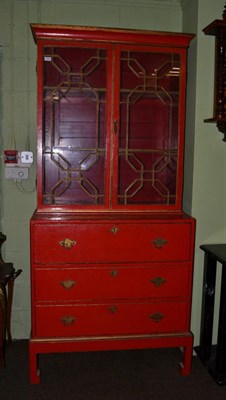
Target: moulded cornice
[{"x": 175, "y": 4}]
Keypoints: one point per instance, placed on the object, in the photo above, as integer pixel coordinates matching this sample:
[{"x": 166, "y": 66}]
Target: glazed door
[
  {"x": 150, "y": 128},
  {"x": 111, "y": 126},
  {"x": 73, "y": 104}
]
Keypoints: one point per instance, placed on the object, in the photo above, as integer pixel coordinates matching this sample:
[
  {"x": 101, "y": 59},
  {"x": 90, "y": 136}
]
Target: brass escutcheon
[
  {"x": 156, "y": 317},
  {"x": 113, "y": 273},
  {"x": 113, "y": 309},
  {"x": 159, "y": 242},
  {"x": 114, "y": 230},
  {"x": 68, "y": 284},
  {"x": 158, "y": 281},
  {"x": 67, "y": 320},
  {"x": 67, "y": 243}
]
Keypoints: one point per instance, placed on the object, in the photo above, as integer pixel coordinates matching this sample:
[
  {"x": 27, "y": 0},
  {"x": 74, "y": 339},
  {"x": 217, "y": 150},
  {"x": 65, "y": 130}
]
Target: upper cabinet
[{"x": 111, "y": 114}]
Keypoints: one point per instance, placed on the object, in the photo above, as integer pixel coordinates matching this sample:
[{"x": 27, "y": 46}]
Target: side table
[
  {"x": 7, "y": 276},
  {"x": 214, "y": 357}
]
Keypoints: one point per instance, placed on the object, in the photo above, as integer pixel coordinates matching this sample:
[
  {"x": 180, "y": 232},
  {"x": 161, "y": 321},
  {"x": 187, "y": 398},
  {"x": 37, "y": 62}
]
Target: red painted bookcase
[{"x": 111, "y": 248}]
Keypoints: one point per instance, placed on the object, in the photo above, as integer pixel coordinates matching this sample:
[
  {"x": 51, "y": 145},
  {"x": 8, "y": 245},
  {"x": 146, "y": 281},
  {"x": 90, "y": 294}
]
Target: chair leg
[
  {"x": 2, "y": 324},
  {"x": 9, "y": 309}
]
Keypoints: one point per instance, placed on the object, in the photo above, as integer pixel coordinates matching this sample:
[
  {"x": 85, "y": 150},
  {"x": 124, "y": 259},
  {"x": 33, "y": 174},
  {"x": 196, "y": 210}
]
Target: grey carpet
[{"x": 120, "y": 375}]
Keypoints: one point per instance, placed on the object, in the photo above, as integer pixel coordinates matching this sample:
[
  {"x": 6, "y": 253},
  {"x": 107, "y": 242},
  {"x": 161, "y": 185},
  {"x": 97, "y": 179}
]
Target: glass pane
[
  {"x": 74, "y": 125},
  {"x": 149, "y": 105}
]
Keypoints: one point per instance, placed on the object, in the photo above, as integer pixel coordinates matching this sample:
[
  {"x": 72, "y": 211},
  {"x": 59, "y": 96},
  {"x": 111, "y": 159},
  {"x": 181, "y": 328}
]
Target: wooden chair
[{"x": 8, "y": 274}]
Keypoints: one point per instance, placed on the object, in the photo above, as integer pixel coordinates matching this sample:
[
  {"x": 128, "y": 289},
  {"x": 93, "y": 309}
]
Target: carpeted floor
[{"x": 120, "y": 375}]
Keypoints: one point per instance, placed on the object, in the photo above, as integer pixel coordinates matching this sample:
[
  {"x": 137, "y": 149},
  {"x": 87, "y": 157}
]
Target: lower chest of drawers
[{"x": 110, "y": 278}]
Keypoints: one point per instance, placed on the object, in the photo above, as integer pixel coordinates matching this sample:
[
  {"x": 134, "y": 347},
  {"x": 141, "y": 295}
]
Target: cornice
[{"x": 164, "y": 4}]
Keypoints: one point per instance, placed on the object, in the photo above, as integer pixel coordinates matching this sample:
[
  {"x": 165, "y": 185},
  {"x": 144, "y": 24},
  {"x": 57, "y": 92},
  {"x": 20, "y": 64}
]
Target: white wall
[
  {"x": 209, "y": 177},
  {"x": 190, "y": 24}
]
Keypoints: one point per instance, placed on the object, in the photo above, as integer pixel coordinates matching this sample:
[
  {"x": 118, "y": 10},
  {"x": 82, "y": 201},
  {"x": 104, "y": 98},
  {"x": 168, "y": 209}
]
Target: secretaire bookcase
[{"x": 111, "y": 248}]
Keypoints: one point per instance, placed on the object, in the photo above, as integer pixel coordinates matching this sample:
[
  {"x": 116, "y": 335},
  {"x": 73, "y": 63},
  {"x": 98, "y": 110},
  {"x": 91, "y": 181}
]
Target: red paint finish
[
  {"x": 118, "y": 281},
  {"x": 111, "y": 249},
  {"x": 118, "y": 242},
  {"x": 110, "y": 319}
]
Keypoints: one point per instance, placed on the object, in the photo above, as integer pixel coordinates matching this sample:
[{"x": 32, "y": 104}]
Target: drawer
[
  {"x": 102, "y": 243},
  {"x": 111, "y": 282},
  {"x": 110, "y": 319}
]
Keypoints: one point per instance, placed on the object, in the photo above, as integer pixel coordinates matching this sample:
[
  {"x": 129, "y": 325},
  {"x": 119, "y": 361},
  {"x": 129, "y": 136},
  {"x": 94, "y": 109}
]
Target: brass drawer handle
[
  {"x": 156, "y": 317},
  {"x": 67, "y": 320},
  {"x": 158, "y": 281},
  {"x": 159, "y": 242},
  {"x": 67, "y": 243},
  {"x": 114, "y": 230},
  {"x": 67, "y": 284}
]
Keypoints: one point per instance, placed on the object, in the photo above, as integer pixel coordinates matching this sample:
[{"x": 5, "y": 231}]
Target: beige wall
[
  {"x": 209, "y": 183},
  {"x": 205, "y": 152}
]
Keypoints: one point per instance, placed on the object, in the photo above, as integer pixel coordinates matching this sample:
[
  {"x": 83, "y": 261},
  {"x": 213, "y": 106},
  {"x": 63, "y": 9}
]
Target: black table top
[{"x": 216, "y": 250}]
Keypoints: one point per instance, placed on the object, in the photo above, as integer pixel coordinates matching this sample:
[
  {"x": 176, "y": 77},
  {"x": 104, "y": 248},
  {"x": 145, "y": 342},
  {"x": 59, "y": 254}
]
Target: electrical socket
[{"x": 16, "y": 173}]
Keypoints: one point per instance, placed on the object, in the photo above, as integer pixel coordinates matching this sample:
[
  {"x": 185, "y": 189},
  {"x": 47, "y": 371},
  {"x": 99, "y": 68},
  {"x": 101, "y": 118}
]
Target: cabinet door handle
[
  {"x": 67, "y": 284},
  {"x": 115, "y": 126},
  {"x": 159, "y": 242},
  {"x": 158, "y": 281},
  {"x": 67, "y": 320},
  {"x": 156, "y": 317},
  {"x": 67, "y": 243}
]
